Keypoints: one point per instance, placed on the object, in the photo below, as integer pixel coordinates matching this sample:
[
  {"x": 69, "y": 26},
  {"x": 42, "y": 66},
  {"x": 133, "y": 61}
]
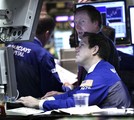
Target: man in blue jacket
[
  {"x": 102, "y": 81},
  {"x": 88, "y": 19},
  {"x": 35, "y": 66}
]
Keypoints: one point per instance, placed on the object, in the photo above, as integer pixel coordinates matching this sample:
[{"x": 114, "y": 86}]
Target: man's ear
[
  {"x": 47, "y": 34},
  {"x": 96, "y": 24},
  {"x": 95, "y": 49}
]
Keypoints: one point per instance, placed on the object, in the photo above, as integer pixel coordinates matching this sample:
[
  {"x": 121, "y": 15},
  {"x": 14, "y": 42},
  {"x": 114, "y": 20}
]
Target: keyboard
[{"x": 12, "y": 105}]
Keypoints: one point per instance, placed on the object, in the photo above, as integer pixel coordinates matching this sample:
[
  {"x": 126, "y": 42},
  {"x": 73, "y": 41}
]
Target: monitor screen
[
  {"x": 113, "y": 15},
  {"x": 131, "y": 20},
  {"x": 7, "y": 73},
  {"x": 18, "y": 19}
]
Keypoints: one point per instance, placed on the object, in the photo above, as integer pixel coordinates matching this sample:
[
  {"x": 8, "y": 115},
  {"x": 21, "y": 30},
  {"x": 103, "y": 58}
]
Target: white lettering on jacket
[{"x": 20, "y": 50}]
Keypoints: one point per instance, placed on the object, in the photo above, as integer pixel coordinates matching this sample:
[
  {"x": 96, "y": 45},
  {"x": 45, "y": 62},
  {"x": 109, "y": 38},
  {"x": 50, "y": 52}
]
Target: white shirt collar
[
  {"x": 38, "y": 40},
  {"x": 92, "y": 67}
]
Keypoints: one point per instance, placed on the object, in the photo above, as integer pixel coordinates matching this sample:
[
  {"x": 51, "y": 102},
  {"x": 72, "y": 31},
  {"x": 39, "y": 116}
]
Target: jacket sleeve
[
  {"x": 49, "y": 77},
  {"x": 66, "y": 100},
  {"x": 61, "y": 101}
]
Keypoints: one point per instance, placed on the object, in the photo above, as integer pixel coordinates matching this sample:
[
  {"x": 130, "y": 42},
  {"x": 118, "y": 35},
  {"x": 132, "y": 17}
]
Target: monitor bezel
[
  {"x": 7, "y": 72},
  {"x": 24, "y": 20},
  {"x": 120, "y": 40},
  {"x": 130, "y": 32}
]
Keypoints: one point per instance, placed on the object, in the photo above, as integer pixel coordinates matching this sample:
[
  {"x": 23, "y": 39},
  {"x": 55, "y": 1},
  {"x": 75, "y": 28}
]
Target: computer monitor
[
  {"x": 131, "y": 21},
  {"x": 8, "y": 83},
  {"x": 113, "y": 15},
  {"x": 18, "y": 19}
]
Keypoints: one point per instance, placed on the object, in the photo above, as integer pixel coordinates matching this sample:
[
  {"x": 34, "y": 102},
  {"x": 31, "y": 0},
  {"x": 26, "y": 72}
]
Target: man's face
[
  {"x": 83, "y": 52},
  {"x": 83, "y": 23}
]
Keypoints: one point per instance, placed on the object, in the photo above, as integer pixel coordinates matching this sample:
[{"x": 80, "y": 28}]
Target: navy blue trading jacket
[
  {"x": 35, "y": 69},
  {"x": 104, "y": 86}
]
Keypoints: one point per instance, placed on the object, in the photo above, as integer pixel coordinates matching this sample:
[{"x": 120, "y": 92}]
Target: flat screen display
[
  {"x": 131, "y": 19},
  {"x": 18, "y": 19},
  {"x": 7, "y": 72},
  {"x": 113, "y": 15}
]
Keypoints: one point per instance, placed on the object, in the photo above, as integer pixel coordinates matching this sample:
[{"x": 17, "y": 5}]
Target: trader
[
  {"x": 102, "y": 81},
  {"x": 35, "y": 67}
]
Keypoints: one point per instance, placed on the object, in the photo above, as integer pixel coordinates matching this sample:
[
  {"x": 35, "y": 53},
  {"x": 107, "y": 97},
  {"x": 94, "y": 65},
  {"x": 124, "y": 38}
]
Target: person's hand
[
  {"x": 51, "y": 93},
  {"x": 82, "y": 1},
  {"x": 68, "y": 85},
  {"x": 29, "y": 101}
]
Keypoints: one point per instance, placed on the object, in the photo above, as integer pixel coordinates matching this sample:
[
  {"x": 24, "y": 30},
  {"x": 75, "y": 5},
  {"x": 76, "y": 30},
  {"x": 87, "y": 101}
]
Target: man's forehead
[{"x": 81, "y": 16}]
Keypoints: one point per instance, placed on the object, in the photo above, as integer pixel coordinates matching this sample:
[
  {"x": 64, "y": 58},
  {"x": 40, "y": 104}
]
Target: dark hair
[
  {"x": 46, "y": 22},
  {"x": 109, "y": 32},
  {"x": 92, "y": 12},
  {"x": 100, "y": 40}
]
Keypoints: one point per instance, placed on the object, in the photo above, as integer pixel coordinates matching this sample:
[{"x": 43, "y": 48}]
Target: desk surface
[
  {"x": 67, "y": 117},
  {"x": 94, "y": 113}
]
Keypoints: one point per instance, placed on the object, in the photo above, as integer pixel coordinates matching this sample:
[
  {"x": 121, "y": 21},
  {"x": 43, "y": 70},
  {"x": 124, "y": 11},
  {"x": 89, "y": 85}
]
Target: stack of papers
[
  {"x": 24, "y": 111},
  {"x": 79, "y": 110},
  {"x": 93, "y": 110},
  {"x": 65, "y": 75}
]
